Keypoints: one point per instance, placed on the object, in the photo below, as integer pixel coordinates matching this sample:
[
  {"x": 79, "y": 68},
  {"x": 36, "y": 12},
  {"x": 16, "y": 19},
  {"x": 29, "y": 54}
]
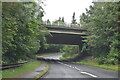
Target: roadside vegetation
[
  {"x": 23, "y": 35},
  {"x": 50, "y": 48},
  {"x": 43, "y": 72},
  {"x": 104, "y": 66},
  {"x": 21, "y": 31},
  {"x": 69, "y": 51},
  {"x": 103, "y": 42},
  {"x": 14, "y": 72},
  {"x": 90, "y": 61}
]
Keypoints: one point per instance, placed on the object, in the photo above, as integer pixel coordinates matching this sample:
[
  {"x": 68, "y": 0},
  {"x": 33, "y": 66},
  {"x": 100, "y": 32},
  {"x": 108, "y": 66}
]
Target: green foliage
[
  {"x": 73, "y": 19},
  {"x": 113, "y": 57},
  {"x": 69, "y": 50},
  {"x": 60, "y": 21},
  {"x": 21, "y": 31},
  {"x": 104, "y": 66},
  {"x": 101, "y": 22},
  {"x": 63, "y": 19},
  {"x": 48, "y": 21},
  {"x": 48, "y": 48}
]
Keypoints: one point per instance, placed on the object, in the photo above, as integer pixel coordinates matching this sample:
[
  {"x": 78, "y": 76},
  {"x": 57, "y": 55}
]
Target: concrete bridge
[{"x": 65, "y": 35}]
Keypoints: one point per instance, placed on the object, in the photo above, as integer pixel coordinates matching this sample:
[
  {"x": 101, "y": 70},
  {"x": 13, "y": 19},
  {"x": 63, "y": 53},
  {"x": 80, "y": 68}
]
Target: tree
[
  {"x": 73, "y": 19},
  {"x": 63, "y": 19},
  {"x": 60, "y": 21},
  {"x": 48, "y": 21},
  {"x": 21, "y": 25},
  {"x": 100, "y": 21}
]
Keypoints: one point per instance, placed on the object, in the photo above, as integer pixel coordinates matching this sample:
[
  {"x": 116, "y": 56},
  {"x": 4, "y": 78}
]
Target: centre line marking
[
  {"x": 77, "y": 68},
  {"x": 83, "y": 72},
  {"x": 89, "y": 74}
]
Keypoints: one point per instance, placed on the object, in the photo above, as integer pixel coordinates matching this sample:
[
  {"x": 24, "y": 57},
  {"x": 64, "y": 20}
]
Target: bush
[{"x": 69, "y": 50}]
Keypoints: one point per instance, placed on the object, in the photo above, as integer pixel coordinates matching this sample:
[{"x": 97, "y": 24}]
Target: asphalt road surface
[
  {"x": 56, "y": 56},
  {"x": 72, "y": 70}
]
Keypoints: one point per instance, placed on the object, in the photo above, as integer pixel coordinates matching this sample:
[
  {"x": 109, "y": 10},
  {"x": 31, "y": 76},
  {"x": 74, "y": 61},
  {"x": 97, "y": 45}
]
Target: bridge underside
[
  {"x": 62, "y": 38},
  {"x": 64, "y": 35}
]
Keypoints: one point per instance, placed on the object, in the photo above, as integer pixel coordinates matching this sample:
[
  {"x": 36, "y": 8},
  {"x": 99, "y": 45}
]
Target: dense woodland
[
  {"x": 22, "y": 35},
  {"x": 101, "y": 23},
  {"x": 104, "y": 40}
]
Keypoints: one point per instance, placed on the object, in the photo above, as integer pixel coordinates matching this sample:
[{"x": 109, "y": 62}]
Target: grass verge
[
  {"x": 65, "y": 58},
  {"x": 69, "y": 57},
  {"x": 43, "y": 72},
  {"x": 12, "y": 73},
  {"x": 92, "y": 62},
  {"x": 104, "y": 66}
]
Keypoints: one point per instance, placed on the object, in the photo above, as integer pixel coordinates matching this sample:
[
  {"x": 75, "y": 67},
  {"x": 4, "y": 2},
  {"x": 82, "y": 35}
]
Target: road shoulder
[{"x": 36, "y": 73}]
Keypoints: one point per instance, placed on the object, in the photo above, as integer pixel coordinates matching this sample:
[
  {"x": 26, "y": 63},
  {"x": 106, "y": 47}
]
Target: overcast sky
[{"x": 65, "y": 8}]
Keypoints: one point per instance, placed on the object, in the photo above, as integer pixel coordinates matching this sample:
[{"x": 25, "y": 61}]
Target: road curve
[
  {"x": 58, "y": 70},
  {"x": 72, "y": 70}
]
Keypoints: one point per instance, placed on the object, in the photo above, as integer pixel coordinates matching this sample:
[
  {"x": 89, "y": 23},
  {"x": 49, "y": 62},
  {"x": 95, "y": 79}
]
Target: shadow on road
[{"x": 52, "y": 60}]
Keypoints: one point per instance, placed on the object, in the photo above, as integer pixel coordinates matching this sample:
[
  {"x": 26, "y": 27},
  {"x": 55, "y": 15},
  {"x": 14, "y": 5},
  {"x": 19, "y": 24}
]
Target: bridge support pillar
[{"x": 80, "y": 48}]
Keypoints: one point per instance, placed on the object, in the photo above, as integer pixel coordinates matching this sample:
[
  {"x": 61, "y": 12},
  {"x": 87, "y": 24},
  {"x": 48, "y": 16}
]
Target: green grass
[
  {"x": 104, "y": 66},
  {"x": 11, "y": 73},
  {"x": 0, "y": 75},
  {"x": 66, "y": 58},
  {"x": 43, "y": 72},
  {"x": 92, "y": 62}
]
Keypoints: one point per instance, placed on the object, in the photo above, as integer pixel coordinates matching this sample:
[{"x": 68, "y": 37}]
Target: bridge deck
[
  {"x": 65, "y": 35},
  {"x": 64, "y": 28},
  {"x": 66, "y": 32}
]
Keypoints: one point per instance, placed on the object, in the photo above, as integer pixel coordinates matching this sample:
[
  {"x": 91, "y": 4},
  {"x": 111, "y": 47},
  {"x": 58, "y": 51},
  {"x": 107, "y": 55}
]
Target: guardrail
[{"x": 8, "y": 66}]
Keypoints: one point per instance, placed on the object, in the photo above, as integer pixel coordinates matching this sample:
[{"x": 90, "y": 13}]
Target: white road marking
[
  {"x": 88, "y": 74},
  {"x": 79, "y": 70},
  {"x": 60, "y": 62},
  {"x": 64, "y": 64}
]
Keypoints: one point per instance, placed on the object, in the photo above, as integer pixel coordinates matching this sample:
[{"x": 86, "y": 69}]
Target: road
[
  {"x": 54, "y": 56},
  {"x": 72, "y": 70}
]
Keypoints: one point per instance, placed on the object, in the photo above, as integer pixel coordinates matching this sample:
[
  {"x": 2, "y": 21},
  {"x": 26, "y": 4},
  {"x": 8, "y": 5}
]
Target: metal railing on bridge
[{"x": 63, "y": 25}]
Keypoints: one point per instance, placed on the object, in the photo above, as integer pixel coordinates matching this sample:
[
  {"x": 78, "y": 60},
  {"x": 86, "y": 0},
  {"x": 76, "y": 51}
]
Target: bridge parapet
[
  {"x": 63, "y": 28},
  {"x": 62, "y": 25}
]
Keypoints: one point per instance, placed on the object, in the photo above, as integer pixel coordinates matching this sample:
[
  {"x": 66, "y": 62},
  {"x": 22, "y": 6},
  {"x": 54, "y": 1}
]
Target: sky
[{"x": 65, "y": 8}]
